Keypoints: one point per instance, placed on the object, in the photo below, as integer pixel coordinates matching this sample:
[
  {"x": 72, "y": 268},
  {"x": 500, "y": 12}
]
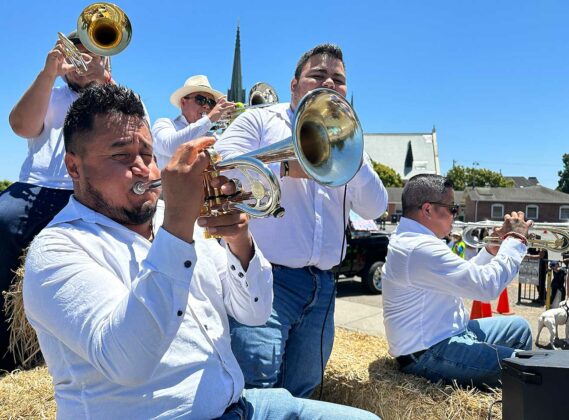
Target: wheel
[{"x": 373, "y": 277}]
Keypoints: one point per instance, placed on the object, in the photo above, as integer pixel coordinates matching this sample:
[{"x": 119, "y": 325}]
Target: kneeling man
[
  {"x": 130, "y": 303},
  {"x": 427, "y": 326}
]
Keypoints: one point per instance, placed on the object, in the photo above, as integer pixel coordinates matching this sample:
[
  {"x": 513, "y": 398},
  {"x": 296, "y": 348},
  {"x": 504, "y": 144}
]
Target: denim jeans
[
  {"x": 277, "y": 404},
  {"x": 474, "y": 357},
  {"x": 286, "y": 352},
  {"x": 25, "y": 210}
]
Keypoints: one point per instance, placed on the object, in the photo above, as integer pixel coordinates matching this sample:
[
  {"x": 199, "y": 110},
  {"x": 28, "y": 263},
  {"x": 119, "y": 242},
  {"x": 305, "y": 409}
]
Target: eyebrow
[
  {"x": 323, "y": 70},
  {"x": 127, "y": 142}
]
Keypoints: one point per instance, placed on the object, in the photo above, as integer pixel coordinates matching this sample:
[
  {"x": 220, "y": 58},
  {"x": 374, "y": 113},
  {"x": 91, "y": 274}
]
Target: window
[
  {"x": 532, "y": 212},
  {"x": 497, "y": 211},
  {"x": 564, "y": 213}
]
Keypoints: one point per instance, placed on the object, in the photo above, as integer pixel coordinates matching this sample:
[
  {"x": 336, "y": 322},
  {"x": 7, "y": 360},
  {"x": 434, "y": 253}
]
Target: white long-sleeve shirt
[
  {"x": 137, "y": 329},
  {"x": 311, "y": 231},
  {"x": 170, "y": 134},
  {"x": 424, "y": 283}
]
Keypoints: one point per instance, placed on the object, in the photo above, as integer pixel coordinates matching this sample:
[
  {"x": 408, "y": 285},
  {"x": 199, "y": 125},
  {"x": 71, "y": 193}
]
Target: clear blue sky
[{"x": 492, "y": 76}]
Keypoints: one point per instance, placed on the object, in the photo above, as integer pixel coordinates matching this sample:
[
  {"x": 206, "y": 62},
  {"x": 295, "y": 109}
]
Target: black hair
[
  {"x": 331, "y": 50},
  {"x": 106, "y": 99},
  {"x": 423, "y": 188}
]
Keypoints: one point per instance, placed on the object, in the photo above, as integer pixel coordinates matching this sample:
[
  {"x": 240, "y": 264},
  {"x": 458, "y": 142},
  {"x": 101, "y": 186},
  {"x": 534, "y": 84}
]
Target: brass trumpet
[
  {"x": 104, "y": 29},
  {"x": 327, "y": 141},
  {"x": 557, "y": 234}
]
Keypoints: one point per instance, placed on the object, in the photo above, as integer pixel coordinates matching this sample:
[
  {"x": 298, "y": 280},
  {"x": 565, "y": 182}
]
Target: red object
[
  {"x": 504, "y": 303},
  {"x": 480, "y": 310}
]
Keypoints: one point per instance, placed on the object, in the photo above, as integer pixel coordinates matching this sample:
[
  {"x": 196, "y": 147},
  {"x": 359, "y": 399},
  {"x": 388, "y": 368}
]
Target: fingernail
[{"x": 202, "y": 222}]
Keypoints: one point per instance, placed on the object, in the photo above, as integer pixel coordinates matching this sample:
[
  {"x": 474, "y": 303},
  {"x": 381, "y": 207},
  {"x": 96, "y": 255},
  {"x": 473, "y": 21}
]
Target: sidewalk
[{"x": 357, "y": 311}]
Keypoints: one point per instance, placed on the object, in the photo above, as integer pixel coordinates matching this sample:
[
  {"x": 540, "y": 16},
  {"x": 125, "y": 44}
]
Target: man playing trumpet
[
  {"x": 129, "y": 301},
  {"x": 200, "y": 107},
  {"x": 44, "y": 186},
  {"x": 426, "y": 324}
]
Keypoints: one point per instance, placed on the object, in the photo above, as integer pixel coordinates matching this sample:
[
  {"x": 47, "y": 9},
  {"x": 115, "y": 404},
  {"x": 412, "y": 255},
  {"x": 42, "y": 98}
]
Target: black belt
[{"x": 409, "y": 358}]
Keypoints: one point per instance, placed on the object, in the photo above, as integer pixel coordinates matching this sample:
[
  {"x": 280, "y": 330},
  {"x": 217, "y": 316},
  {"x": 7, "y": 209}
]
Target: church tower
[{"x": 236, "y": 93}]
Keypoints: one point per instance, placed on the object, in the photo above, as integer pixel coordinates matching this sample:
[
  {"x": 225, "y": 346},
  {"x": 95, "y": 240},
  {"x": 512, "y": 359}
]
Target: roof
[
  {"x": 522, "y": 181},
  {"x": 531, "y": 194},
  {"x": 408, "y": 154}
]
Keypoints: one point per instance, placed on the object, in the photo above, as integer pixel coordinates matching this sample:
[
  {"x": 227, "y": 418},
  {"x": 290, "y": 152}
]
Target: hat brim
[{"x": 177, "y": 96}]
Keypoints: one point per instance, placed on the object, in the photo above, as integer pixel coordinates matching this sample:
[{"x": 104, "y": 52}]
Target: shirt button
[
  {"x": 187, "y": 263},
  {"x": 256, "y": 299},
  {"x": 205, "y": 326},
  {"x": 240, "y": 275},
  {"x": 233, "y": 267},
  {"x": 180, "y": 313}
]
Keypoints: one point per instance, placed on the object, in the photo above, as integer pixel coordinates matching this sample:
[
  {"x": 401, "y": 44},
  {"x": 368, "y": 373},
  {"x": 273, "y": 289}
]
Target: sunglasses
[
  {"x": 453, "y": 208},
  {"x": 202, "y": 100}
]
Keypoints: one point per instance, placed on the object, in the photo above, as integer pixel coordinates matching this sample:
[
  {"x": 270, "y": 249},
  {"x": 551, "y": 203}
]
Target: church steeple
[{"x": 236, "y": 93}]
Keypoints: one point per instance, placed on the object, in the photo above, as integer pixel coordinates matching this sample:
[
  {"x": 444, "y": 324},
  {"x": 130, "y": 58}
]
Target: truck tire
[{"x": 372, "y": 279}]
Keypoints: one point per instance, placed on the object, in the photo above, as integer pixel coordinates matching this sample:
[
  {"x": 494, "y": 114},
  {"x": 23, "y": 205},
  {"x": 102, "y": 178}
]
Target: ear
[
  {"x": 293, "y": 84},
  {"x": 71, "y": 163}
]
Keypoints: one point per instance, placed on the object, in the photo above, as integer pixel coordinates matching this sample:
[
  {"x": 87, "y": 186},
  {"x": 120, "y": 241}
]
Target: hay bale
[
  {"x": 361, "y": 374},
  {"x": 24, "y": 344},
  {"x": 27, "y": 394}
]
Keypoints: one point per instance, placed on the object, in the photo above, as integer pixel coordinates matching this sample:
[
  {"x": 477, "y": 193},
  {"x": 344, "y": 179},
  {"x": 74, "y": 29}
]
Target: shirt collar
[{"x": 410, "y": 225}]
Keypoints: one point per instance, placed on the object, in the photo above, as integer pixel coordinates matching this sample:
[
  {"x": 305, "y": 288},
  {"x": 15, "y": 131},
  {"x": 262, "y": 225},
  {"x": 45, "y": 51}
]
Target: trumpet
[
  {"x": 557, "y": 235},
  {"x": 104, "y": 29},
  {"x": 261, "y": 95},
  {"x": 327, "y": 141}
]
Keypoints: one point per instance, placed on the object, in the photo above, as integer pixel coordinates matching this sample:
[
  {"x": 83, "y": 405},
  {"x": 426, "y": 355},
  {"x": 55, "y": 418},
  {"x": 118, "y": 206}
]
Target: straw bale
[
  {"x": 360, "y": 373},
  {"x": 27, "y": 394}
]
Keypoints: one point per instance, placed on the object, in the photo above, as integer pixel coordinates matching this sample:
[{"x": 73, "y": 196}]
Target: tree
[
  {"x": 563, "y": 184},
  {"x": 462, "y": 177},
  {"x": 4, "y": 184},
  {"x": 388, "y": 176}
]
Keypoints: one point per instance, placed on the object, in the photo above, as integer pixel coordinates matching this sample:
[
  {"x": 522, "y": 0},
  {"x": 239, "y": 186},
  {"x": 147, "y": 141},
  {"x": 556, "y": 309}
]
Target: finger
[
  {"x": 188, "y": 152},
  {"x": 218, "y": 181}
]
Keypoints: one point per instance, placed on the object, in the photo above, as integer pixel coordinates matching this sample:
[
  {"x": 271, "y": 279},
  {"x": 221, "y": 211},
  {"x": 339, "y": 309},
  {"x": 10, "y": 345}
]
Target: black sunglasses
[
  {"x": 453, "y": 208},
  {"x": 202, "y": 100}
]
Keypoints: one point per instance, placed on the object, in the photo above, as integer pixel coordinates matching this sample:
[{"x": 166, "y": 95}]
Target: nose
[
  {"x": 139, "y": 168},
  {"x": 328, "y": 83}
]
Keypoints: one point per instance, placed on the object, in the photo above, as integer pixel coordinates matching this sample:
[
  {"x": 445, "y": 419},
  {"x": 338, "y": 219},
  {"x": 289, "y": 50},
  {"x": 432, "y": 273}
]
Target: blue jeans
[
  {"x": 25, "y": 210},
  {"x": 276, "y": 404},
  {"x": 474, "y": 357},
  {"x": 287, "y": 352}
]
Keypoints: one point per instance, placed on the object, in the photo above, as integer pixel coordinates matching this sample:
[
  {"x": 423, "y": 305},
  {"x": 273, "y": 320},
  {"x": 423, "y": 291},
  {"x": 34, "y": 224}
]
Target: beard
[
  {"x": 121, "y": 215},
  {"x": 78, "y": 88}
]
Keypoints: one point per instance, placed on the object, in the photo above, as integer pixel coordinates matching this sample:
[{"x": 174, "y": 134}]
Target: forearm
[
  {"x": 167, "y": 139},
  {"x": 28, "y": 115}
]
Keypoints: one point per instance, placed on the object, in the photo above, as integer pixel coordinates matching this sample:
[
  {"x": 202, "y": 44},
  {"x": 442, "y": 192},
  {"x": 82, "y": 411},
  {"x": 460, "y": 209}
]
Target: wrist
[{"x": 516, "y": 235}]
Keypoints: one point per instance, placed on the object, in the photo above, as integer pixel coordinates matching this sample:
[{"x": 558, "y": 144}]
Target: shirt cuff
[
  {"x": 513, "y": 248},
  {"x": 235, "y": 269},
  {"x": 172, "y": 256}
]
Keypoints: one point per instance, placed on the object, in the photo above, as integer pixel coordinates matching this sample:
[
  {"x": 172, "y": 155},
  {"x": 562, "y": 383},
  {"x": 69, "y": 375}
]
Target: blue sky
[{"x": 490, "y": 75}]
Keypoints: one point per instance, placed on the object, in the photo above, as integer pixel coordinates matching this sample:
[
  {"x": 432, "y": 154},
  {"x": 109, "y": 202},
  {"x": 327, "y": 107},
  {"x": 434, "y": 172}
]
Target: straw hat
[{"x": 193, "y": 84}]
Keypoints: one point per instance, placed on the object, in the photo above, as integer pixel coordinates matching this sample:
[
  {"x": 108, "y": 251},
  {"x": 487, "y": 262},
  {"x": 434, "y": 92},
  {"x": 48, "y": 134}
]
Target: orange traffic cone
[
  {"x": 480, "y": 310},
  {"x": 504, "y": 303}
]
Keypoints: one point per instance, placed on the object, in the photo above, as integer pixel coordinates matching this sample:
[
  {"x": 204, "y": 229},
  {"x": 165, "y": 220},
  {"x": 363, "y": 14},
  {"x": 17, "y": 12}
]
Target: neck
[{"x": 145, "y": 230}]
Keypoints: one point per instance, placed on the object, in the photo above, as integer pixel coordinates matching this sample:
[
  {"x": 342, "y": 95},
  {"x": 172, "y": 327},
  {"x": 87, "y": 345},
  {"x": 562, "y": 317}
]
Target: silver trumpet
[
  {"x": 104, "y": 29},
  {"x": 327, "y": 141},
  {"x": 555, "y": 235}
]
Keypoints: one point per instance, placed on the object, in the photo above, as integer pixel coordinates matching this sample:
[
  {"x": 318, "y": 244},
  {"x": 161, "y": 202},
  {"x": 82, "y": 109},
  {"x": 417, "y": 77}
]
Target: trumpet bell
[
  {"x": 104, "y": 29},
  {"x": 262, "y": 94},
  {"x": 328, "y": 138}
]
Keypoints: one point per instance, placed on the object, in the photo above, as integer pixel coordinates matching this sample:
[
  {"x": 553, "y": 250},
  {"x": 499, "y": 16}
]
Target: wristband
[{"x": 516, "y": 235}]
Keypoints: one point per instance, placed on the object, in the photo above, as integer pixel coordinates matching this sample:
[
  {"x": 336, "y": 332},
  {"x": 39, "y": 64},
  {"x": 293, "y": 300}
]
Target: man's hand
[
  {"x": 233, "y": 227},
  {"x": 182, "y": 187},
  {"x": 55, "y": 63},
  {"x": 513, "y": 222},
  {"x": 222, "y": 109}
]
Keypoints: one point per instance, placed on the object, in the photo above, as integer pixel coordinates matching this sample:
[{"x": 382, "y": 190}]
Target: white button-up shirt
[
  {"x": 134, "y": 329},
  {"x": 311, "y": 231},
  {"x": 424, "y": 283},
  {"x": 170, "y": 134}
]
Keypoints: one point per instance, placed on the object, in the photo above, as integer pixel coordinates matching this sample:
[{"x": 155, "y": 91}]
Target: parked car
[{"x": 366, "y": 248}]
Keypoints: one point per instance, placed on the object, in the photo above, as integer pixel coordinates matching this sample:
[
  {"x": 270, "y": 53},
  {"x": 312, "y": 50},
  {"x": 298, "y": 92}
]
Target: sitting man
[
  {"x": 200, "y": 106},
  {"x": 426, "y": 324},
  {"x": 130, "y": 303}
]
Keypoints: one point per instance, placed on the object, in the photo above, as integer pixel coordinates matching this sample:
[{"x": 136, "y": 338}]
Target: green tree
[
  {"x": 4, "y": 184},
  {"x": 563, "y": 184},
  {"x": 462, "y": 177},
  {"x": 388, "y": 176}
]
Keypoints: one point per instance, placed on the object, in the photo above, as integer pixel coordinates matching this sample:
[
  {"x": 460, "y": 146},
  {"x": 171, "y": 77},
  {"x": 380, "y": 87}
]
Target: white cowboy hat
[{"x": 193, "y": 84}]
